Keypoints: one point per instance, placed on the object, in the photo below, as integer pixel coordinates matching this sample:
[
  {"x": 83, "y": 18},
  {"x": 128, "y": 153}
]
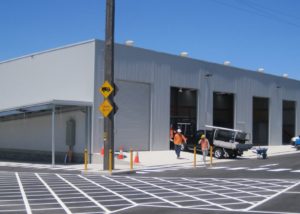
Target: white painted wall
[
  {"x": 61, "y": 74},
  {"x": 35, "y": 133}
]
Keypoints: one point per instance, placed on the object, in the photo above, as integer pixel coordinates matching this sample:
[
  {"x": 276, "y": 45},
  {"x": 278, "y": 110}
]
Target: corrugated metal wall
[{"x": 162, "y": 71}]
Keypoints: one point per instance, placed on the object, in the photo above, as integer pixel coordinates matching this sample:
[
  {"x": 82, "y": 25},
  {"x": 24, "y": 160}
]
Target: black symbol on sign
[{"x": 105, "y": 89}]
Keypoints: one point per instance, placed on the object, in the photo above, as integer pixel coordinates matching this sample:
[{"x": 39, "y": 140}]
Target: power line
[
  {"x": 256, "y": 11},
  {"x": 271, "y": 13}
]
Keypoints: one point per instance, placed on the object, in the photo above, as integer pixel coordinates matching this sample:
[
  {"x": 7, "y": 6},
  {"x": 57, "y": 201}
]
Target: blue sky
[{"x": 249, "y": 33}]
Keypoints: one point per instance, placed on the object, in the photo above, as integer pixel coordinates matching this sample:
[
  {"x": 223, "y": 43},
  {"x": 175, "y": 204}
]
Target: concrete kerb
[{"x": 167, "y": 159}]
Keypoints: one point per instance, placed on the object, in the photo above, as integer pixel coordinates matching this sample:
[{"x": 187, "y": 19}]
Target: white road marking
[
  {"x": 153, "y": 170},
  {"x": 85, "y": 194},
  {"x": 54, "y": 195},
  {"x": 27, "y": 206},
  {"x": 140, "y": 190},
  {"x": 268, "y": 165},
  {"x": 279, "y": 170},
  {"x": 265, "y": 183},
  {"x": 199, "y": 199},
  {"x": 219, "y": 194},
  {"x": 257, "y": 169},
  {"x": 126, "y": 208},
  {"x": 246, "y": 187},
  {"x": 237, "y": 168},
  {"x": 238, "y": 190},
  {"x": 111, "y": 191},
  {"x": 141, "y": 172},
  {"x": 218, "y": 167},
  {"x": 295, "y": 171},
  {"x": 273, "y": 196}
]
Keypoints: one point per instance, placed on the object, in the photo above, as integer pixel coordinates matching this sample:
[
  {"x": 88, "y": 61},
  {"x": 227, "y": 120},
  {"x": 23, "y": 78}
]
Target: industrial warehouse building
[{"x": 49, "y": 101}]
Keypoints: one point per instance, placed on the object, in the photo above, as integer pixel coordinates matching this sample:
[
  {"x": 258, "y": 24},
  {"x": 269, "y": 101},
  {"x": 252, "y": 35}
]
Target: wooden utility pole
[{"x": 109, "y": 76}]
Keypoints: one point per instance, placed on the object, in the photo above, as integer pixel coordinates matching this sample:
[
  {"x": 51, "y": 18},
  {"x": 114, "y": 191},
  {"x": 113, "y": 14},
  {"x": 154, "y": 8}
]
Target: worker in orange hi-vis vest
[
  {"x": 172, "y": 132},
  {"x": 204, "y": 147},
  {"x": 179, "y": 139}
]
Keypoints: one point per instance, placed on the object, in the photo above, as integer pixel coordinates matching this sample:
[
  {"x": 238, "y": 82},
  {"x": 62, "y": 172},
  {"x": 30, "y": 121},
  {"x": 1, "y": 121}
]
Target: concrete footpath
[
  {"x": 153, "y": 159},
  {"x": 148, "y": 160}
]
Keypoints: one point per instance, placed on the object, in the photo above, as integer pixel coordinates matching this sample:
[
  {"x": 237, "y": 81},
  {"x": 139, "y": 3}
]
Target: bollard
[
  {"x": 195, "y": 156},
  {"x": 211, "y": 153},
  {"x": 131, "y": 159},
  {"x": 110, "y": 161},
  {"x": 85, "y": 159}
]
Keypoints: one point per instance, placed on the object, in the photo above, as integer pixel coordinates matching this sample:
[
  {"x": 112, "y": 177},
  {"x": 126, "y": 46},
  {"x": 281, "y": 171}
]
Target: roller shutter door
[{"x": 132, "y": 121}]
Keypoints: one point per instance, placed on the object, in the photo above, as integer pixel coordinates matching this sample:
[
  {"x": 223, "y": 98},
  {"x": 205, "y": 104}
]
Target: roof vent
[
  {"x": 227, "y": 62},
  {"x": 285, "y": 75},
  {"x": 184, "y": 54},
  {"x": 261, "y": 70},
  {"x": 129, "y": 43}
]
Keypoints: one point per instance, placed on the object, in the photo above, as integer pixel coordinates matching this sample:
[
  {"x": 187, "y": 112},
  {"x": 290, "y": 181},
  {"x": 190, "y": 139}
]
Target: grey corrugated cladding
[{"x": 163, "y": 71}]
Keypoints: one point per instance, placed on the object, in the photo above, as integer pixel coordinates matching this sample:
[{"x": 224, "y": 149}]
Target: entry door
[
  {"x": 260, "y": 121},
  {"x": 132, "y": 120}
]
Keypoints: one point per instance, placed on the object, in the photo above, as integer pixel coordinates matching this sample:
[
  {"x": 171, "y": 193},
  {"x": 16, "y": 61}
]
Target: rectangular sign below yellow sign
[
  {"x": 105, "y": 108},
  {"x": 106, "y": 89}
]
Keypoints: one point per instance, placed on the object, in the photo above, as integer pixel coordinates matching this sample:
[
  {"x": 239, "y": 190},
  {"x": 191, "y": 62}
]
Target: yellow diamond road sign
[
  {"x": 105, "y": 108},
  {"x": 106, "y": 89}
]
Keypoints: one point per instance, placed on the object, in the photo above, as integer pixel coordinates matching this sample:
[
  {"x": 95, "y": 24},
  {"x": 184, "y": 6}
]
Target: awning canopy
[
  {"x": 42, "y": 107},
  {"x": 50, "y": 106}
]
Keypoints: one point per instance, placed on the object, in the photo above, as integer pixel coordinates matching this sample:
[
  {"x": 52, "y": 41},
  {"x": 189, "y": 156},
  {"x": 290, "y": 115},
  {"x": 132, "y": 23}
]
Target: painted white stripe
[
  {"x": 154, "y": 170},
  {"x": 17, "y": 211},
  {"x": 267, "y": 182},
  {"x": 199, "y": 199},
  {"x": 257, "y": 169},
  {"x": 85, "y": 194},
  {"x": 295, "y": 171},
  {"x": 279, "y": 170},
  {"x": 141, "y": 172},
  {"x": 268, "y": 165},
  {"x": 109, "y": 190},
  {"x": 273, "y": 196},
  {"x": 126, "y": 208},
  {"x": 237, "y": 168},
  {"x": 237, "y": 189},
  {"x": 218, "y": 167},
  {"x": 27, "y": 206},
  {"x": 54, "y": 195},
  {"x": 218, "y": 187},
  {"x": 153, "y": 195},
  {"x": 245, "y": 186}
]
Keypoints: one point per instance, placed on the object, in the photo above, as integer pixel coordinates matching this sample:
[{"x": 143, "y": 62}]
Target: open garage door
[
  {"x": 288, "y": 121},
  {"x": 260, "y": 121},
  {"x": 223, "y": 110},
  {"x": 183, "y": 110},
  {"x": 132, "y": 120}
]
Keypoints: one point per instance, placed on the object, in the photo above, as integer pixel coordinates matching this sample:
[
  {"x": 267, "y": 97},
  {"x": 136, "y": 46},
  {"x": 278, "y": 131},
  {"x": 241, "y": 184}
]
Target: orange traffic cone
[
  {"x": 102, "y": 151},
  {"x": 121, "y": 156},
  {"x": 136, "y": 158}
]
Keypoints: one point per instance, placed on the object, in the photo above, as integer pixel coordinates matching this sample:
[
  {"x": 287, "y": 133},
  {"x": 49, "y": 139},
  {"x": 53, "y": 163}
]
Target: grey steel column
[
  {"x": 88, "y": 131},
  {"x": 53, "y": 135}
]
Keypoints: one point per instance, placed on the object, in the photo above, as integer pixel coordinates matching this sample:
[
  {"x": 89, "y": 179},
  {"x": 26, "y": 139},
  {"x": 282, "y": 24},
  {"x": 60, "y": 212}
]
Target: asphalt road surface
[
  {"x": 283, "y": 166},
  {"x": 240, "y": 186}
]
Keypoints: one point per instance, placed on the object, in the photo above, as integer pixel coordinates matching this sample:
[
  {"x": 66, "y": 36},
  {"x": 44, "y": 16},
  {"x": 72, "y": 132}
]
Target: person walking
[
  {"x": 172, "y": 133},
  {"x": 204, "y": 147},
  {"x": 179, "y": 139}
]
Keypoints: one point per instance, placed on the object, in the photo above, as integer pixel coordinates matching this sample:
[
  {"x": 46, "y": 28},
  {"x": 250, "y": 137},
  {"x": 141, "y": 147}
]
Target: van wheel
[
  {"x": 232, "y": 155},
  {"x": 219, "y": 153}
]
